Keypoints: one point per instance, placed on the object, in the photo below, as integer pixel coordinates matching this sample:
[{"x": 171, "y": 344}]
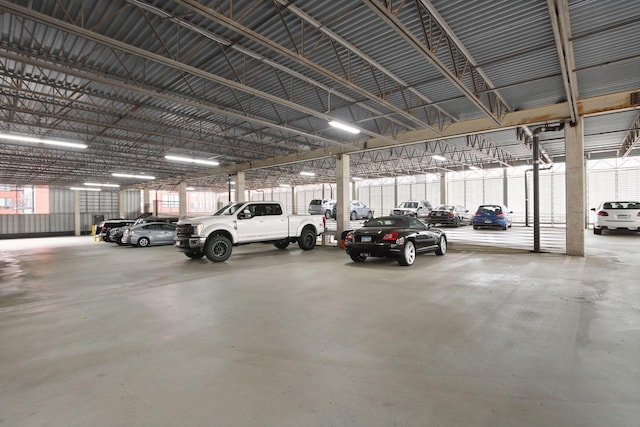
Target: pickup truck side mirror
[{"x": 245, "y": 215}]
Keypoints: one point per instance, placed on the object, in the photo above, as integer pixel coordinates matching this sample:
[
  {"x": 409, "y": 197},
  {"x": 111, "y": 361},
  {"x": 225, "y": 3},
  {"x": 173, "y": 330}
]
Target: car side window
[
  {"x": 258, "y": 210},
  {"x": 273, "y": 209},
  {"x": 414, "y": 223}
]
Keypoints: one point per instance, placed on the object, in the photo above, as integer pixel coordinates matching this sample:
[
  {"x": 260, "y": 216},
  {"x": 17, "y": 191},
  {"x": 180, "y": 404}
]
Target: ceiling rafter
[
  {"x": 631, "y": 139},
  {"x": 178, "y": 66},
  {"x": 286, "y": 53},
  {"x": 130, "y": 130},
  {"x": 559, "y": 17},
  {"x": 488, "y": 148},
  {"x": 166, "y": 96},
  {"x": 439, "y": 116},
  {"x": 221, "y": 41},
  {"x": 480, "y": 94}
]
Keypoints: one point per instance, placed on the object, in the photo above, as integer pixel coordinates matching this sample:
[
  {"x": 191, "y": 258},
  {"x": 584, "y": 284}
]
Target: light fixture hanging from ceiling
[
  {"x": 84, "y": 189},
  {"x": 129, "y": 175},
  {"x": 97, "y": 184},
  {"x": 337, "y": 124},
  {"x": 35, "y": 140},
  {"x": 192, "y": 160},
  {"x": 345, "y": 127}
]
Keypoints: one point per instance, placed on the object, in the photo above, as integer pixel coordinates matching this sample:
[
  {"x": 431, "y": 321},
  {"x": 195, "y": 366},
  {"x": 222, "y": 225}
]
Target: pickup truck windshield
[{"x": 230, "y": 209}]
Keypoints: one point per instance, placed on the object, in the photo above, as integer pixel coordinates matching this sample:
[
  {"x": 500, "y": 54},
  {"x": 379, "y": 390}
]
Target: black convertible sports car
[{"x": 400, "y": 237}]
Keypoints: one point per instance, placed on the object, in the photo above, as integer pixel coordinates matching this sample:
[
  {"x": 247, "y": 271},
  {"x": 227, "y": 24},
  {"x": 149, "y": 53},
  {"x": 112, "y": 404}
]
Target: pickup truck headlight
[{"x": 198, "y": 229}]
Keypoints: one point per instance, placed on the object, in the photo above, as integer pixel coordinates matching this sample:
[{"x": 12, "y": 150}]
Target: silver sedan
[{"x": 153, "y": 233}]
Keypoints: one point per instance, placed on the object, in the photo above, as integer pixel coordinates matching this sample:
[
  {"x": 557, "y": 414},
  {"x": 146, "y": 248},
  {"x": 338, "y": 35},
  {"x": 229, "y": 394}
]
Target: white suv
[
  {"x": 321, "y": 207},
  {"x": 616, "y": 215}
]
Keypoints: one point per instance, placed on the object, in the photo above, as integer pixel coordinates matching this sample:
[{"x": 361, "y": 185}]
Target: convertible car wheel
[
  {"x": 357, "y": 257},
  {"x": 408, "y": 255},
  {"x": 442, "y": 246}
]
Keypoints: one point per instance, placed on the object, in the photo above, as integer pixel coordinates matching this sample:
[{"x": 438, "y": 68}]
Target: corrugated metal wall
[
  {"x": 606, "y": 179},
  {"x": 60, "y": 220}
]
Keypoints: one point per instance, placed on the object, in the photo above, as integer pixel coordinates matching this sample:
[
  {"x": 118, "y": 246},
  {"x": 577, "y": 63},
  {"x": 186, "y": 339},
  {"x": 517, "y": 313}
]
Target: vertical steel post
[{"x": 536, "y": 192}]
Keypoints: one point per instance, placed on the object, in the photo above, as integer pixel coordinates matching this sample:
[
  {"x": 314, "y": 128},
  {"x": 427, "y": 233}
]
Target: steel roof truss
[
  {"x": 631, "y": 139},
  {"x": 433, "y": 37}
]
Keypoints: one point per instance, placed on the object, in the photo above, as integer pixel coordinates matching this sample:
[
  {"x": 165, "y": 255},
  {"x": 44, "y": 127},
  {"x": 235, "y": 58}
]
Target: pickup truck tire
[
  {"x": 281, "y": 244},
  {"x": 218, "y": 248},
  {"x": 307, "y": 239},
  {"x": 194, "y": 255},
  {"x": 353, "y": 216}
]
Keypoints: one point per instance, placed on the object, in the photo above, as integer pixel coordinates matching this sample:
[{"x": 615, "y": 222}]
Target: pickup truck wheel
[
  {"x": 353, "y": 216},
  {"x": 307, "y": 239},
  {"x": 218, "y": 248},
  {"x": 408, "y": 255},
  {"x": 370, "y": 215},
  {"x": 194, "y": 255},
  {"x": 282, "y": 244},
  {"x": 327, "y": 214}
]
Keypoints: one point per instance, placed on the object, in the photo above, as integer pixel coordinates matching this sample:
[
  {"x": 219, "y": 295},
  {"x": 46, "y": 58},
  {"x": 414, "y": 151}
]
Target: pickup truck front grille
[{"x": 184, "y": 231}]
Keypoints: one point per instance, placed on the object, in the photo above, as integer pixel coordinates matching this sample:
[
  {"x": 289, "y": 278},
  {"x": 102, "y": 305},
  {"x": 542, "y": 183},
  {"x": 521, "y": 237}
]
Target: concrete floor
[{"x": 92, "y": 334}]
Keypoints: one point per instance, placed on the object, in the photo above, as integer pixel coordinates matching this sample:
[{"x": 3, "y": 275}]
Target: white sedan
[{"x": 616, "y": 215}]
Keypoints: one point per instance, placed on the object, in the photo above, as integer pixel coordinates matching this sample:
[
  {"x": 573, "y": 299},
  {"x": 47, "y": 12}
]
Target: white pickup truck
[{"x": 245, "y": 222}]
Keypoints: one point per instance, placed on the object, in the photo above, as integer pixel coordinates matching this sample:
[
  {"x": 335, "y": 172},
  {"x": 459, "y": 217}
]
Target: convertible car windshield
[{"x": 399, "y": 222}]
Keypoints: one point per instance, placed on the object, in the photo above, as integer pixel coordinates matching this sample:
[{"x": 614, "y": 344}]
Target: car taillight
[
  {"x": 477, "y": 213},
  {"x": 391, "y": 236},
  {"x": 324, "y": 221},
  {"x": 429, "y": 215},
  {"x": 349, "y": 237},
  {"x": 602, "y": 213},
  {"x": 450, "y": 215},
  {"x": 499, "y": 214}
]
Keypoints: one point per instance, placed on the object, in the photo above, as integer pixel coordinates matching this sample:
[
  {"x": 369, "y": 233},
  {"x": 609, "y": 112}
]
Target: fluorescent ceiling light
[
  {"x": 96, "y": 184},
  {"x": 437, "y": 157},
  {"x": 192, "y": 160},
  {"x": 345, "y": 127},
  {"x": 128, "y": 175},
  {"x": 34, "y": 140},
  {"x": 473, "y": 168},
  {"x": 190, "y": 188},
  {"x": 304, "y": 173},
  {"x": 284, "y": 185},
  {"x": 355, "y": 178},
  {"x": 84, "y": 189}
]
